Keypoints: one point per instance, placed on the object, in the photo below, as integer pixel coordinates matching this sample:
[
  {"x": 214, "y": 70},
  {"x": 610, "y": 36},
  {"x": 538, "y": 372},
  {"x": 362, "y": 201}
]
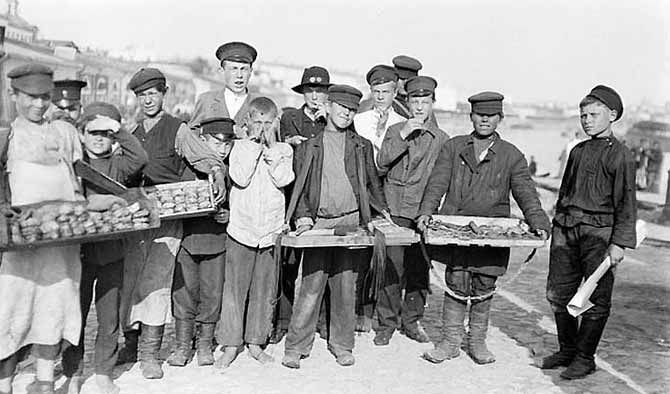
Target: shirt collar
[{"x": 494, "y": 142}]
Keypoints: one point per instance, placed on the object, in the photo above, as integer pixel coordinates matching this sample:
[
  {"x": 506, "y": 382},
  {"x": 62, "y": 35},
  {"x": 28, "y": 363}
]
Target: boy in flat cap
[
  {"x": 595, "y": 219},
  {"x": 260, "y": 167},
  {"x": 199, "y": 271},
  {"x": 474, "y": 174},
  {"x": 39, "y": 288},
  {"x": 372, "y": 124},
  {"x": 236, "y": 60},
  {"x": 407, "y": 155},
  {"x": 339, "y": 185},
  {"x": 172, "y": 147},
  {"x": 102, "y": 262},
  {"x": 295, "y": 127},
  {"x": 406, "y": 67},
  {"x": 66, "y": 100}
]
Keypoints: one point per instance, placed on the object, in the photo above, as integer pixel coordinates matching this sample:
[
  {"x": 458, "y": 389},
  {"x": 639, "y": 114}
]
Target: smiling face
[
  {"x": 315, "y": 96},
  {"x": 236, "y": 75},
  {"x": 98, "y": 142},
  {"x": 596, "y": 118},
  {"x": 151, "y": 101},
  {"x": 31, "y": 107},
  {"x": 485, "y": 125},
  {"x": 340, "y": 116},
  {"x": 383, "y": 95}
]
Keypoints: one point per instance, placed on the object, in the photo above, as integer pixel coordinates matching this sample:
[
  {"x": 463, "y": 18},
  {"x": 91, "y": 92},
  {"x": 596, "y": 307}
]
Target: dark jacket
[
  {"x": 404, "y": 164},
  {"x": 165, "y": 165},
  {"x": 295, "y": 122},
  {"x": 598, "y": 189},
  {"x": 354, "y": 146},
  {"x": 481, "y": 189},
  {"x": 121, "y": 166}
]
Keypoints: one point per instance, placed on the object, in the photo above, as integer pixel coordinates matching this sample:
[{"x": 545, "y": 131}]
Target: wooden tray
[
  {"x": 324, "y": 238},
  {"x": 432, "y": 239},
  {"x": 186, "y": 214},
  {"x": 154, "y": 222}
]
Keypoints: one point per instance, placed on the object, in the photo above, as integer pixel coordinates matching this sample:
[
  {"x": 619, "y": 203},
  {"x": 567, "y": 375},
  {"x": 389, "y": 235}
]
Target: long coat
[
  {"x": 481, "y": 189},
  {"x": 355, "y": 146}
]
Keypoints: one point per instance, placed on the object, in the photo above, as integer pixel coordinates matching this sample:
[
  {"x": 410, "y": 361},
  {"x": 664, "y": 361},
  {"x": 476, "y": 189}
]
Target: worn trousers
[
  {"x": 197, "y": 286},
  {"x": 107, "y": 280},
  {"x": 575, "y": 253},
  {"x": 334, "y": 267},
  {"x": 406, "y": 269},
  {"x": 249, "y": 295}
]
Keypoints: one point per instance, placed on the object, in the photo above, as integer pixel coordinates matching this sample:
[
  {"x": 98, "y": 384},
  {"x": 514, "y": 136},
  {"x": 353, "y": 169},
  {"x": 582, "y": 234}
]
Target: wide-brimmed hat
[{"x": 313, "y": 76}]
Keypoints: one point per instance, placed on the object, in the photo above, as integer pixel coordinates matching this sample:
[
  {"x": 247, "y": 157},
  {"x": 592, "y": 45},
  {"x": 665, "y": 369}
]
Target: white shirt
[
  {"x": 257, "y": 202},
  {"x": 233, "y": 101},
  {"x": 366, "y": 126}
]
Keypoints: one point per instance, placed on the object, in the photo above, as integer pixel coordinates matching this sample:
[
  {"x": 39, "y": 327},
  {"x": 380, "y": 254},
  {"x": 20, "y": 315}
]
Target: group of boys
[{"x": 334, "y": 163}]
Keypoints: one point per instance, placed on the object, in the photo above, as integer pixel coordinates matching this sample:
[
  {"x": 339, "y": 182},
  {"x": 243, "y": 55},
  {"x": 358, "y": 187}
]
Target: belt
[{"x": 336, "y": 216}]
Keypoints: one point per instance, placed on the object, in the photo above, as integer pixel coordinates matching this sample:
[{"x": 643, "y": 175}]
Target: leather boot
[
  {"x": 588, "y": 337},
  {"x": 205, "y": 344},
  {"x": 183, "y": 347},
  {"x": 479, "y": 324},
  {"x": 566, "y": 328},
  {"x": 453, "y": 314},
  {"x": 149, "y": 346},
  {"x": 128, "y": 353}
]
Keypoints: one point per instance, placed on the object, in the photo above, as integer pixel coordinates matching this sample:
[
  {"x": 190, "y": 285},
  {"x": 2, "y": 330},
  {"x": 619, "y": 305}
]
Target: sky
[{"x": 529, "y": 50}]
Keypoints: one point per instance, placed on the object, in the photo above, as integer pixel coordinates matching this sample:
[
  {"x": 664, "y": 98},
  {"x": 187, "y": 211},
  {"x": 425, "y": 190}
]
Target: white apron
[{"x": 39, "y": 289}]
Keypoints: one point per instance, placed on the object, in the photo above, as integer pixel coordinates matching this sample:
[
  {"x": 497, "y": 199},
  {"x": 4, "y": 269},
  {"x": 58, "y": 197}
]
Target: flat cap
[
  {"x": 236, "y": 51},
  {"x": 313, "y": 76},
  {"x": 67, "y": 91},
  {"x": 32, "y": 78},
  {"x": 380, "y": 74},
  {"x": 146, "y": 78},
  {"x": 420, "y": 86},
  {"x": 407, "y": 66},
  {"x": 345, "y": 95},
  {"x": 99, "y": 108},
  {"x": 609, "y": 97},
  {"x": 487, "y": 103},
  {"x": 218, "y": 125}
]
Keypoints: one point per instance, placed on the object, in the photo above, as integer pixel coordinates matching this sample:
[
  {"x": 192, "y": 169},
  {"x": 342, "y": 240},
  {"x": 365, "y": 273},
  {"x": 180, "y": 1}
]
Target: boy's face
[
  {"x": 596, "y": 118},
  {"x": 151, "y": 101},
  {"x": 261, "y": 124},
  {"x": 421, "y": 107},
  {"x": 218, "y": 143},
  {"x": 315, "y": 96},
  {"x": 383, "y": 95},
  {"x": 98, "y": 142},
  {"x": 340, "y": 115},
  {"x": 31, "y": 107},
  {"x": 236, "y": 75},
  {"x": 485, "y": 125}
]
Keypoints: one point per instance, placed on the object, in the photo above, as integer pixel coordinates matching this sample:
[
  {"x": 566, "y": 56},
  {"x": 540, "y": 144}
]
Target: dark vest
[{"x": 165, "y": 165}]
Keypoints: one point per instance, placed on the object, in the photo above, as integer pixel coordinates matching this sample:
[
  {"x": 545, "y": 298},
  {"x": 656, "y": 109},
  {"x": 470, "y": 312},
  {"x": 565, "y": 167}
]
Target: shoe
[
  {"x": 479, "y": 324},
  {"x": 229, "y": 355},
  {"x": 205, "y": 344},
  {"x": 257, "y": 353},
  {"x": 149, "y": 345},
  {"x": 106, "y": 385},
  {"x": 417, "y": 333},
  {"x": 277, "y": 335},
  {"x": 383, "y": 337},
  {"x": 579, "y": 368},
  {"x": 566, "y": 328},
  {"x": 453, "y": 314},
  {"x": 588, "y": 337},
  {"x": 291, "y": 360},
  {"x": 345, "y": 359},
  {"x": 128, "y": 353},
  {"x": 183, "y": 350}
]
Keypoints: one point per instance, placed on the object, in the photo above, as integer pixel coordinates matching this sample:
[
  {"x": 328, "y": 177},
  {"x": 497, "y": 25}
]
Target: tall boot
[
  {"x": 183, "y": 348},
  {"x": 205, "y": 344},
  {"x": 453, "y": 314},
  {"x": 149, "y": 346},
  {"x": 566, "y": 328},
  {"x": 588, "y": 337},
  {"x": 128, "y": 353},
  {"x": 479, "y": 324}
]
